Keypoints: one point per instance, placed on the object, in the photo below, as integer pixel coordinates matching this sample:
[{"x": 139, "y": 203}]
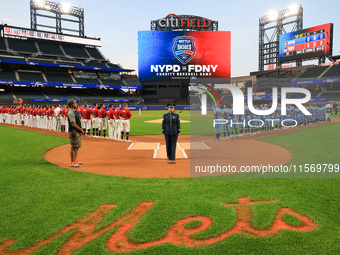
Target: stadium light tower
[
  {"x": 57, "y": 10},
  {"x": 271, "y": 26}
]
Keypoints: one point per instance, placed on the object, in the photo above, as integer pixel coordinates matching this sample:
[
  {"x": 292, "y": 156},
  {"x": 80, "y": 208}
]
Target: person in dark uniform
[{"x": 171, "y": 128}]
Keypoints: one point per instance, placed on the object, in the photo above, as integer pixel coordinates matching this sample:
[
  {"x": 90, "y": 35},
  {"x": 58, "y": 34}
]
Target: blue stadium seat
[{"x": 27, "y": 46}]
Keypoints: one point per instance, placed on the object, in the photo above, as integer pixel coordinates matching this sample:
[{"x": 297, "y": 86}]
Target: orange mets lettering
[{"x": 118, "y": 242}]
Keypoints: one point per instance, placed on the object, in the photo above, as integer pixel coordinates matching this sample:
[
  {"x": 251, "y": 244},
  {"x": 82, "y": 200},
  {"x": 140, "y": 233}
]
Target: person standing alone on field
[
  {"x": 75, "y": 131},
  {"x": 171, "y": 128}
]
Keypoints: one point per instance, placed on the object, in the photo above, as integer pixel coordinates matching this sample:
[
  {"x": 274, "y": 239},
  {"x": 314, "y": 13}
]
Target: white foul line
[
  {"x": 206, "y": 146},
  {"x": 130, "y": 146},
  {"x": 185, "y": 155}
]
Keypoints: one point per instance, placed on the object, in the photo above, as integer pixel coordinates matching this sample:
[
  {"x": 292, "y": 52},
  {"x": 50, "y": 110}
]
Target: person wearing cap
[
  {"x": 75, "y": 131},
  {"x": 171, "y": 128}
]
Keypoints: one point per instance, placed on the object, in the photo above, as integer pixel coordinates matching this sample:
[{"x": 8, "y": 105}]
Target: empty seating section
[
  {"x": 87, "y": 80},
  {"x": 95, "y": 53},
  {"x": 50, "y": 48},
  {"x": 333, "y": 72},
  {"x": 29, "y": 93},
  {"x": 75, "y": 51},
  {"x": 114, "y": 66},
  {"x": 14, "y": 58},
  {"x": 28, "y": 76},
  {"x": 7, "y": 75},
  {"x": 59, "y": 77},
  {"x": 112, "y": 82},
  {"x": 96, "y": 64},
  {"x": 27, "y": 46},
  {"x": 29, "y": 96},
  {"x": 40, "y": 60},
  {"x": 69, "y": 63},
  {"x": 6, "y": 98},
  {"x": 194, "y": 100},
  {"x": 132, "y": 82},
  {"x": 60, "y": 96},
  {"x": 313, "y": 72},
  {"x": 227, "y": 100},
  {"x": 2, "y": 44}
]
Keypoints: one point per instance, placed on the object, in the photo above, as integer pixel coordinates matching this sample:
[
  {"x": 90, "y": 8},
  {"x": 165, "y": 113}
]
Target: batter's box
[
  {"x": 144, "y": 146},
  {"x": 193, "y": 146}
]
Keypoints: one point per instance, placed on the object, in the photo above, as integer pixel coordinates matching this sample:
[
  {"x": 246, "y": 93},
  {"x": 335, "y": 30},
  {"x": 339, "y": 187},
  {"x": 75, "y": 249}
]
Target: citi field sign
[{"x": 173, "y": 22}]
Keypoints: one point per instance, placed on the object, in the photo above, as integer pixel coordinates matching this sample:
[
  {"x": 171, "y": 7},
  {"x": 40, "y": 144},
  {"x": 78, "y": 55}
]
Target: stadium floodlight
[
  {"x": 273, "y": 15},
  {"x": 294, "y": 9},
  {"x": 40, "y": 3},
  {"x": 66, "y": 7}
]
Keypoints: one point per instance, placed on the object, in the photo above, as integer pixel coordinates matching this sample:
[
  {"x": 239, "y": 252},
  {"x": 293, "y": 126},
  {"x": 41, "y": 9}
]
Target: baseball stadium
[{"x": 184, "y": 148}]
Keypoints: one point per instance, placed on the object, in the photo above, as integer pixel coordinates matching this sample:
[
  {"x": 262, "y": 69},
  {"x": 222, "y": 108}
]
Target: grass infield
[{"x": 38, "y": 199}]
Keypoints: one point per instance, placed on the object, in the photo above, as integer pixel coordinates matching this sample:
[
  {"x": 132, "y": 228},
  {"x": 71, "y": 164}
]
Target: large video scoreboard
[
  {"x": 171, "y": 55},
  {"x": 308, "y": 43}
]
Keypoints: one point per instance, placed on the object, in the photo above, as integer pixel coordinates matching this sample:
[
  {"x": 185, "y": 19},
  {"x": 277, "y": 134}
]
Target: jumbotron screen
[
  {"x": 308, "y": 43},
  {"x": 169, "y": 55}
]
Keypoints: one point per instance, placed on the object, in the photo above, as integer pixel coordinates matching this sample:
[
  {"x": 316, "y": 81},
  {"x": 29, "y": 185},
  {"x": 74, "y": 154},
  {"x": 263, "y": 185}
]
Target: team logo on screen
[{"x": 184, "y": 48}]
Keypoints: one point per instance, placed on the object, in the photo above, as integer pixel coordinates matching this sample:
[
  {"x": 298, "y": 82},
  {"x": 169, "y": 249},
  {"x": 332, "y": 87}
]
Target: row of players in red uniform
[
  {"x": 118, "y": 120},
  {"x": 56, "y": 118}
]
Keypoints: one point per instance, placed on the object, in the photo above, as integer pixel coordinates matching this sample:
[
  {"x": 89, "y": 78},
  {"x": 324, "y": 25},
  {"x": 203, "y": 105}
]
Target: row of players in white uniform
[
  {"x": 233, "y": 125},
  {"x": 55, "y": 118}
]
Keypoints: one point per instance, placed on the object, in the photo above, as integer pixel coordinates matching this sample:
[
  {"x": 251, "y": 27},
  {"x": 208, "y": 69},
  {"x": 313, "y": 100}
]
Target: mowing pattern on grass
[
  {"x": 38, "y": 199},
  {"x": 178, "y": 234}
]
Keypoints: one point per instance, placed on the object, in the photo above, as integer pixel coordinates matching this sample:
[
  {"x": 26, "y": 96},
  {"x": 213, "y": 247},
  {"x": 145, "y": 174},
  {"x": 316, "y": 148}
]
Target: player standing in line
[
  {"x": 33, "y": 114},
  {"x": 49, "y": 113},
  {"x": 62, "y": 118},
  {"x": 117, "y": 123},
  {"x": 44, "y": 117},
  {"x": 1, "y": 114},
  {"x": 38, "y": 117},
  {"x": 57, "y": 118},
  {"x": 87, "y": 116},
  {"x": 95, "y": 120},
  {"x": 82, "y": 119},
  {"x": 233, "y": 127},
  {"x": 217, "y": 121},
  {"x": 24, "y": 115},
  {"x": 328, "y": 112},
  {"x": 111, "y": 120},
  {"x": 80, "y": 110},
  {"x": 66, "y": 118},
  {"x": 226, "y": 116},
  {"x": 102, "y": 120},
  {"x": 17, "y": 115},
  {"x": 124, "y": 117}
]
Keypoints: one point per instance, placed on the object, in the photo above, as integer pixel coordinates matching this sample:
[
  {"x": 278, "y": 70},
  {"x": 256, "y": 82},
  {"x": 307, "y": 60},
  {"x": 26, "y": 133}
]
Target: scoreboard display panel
[
  {"x": 171, "y": 55},
  {"x": 308, "y": 43}
]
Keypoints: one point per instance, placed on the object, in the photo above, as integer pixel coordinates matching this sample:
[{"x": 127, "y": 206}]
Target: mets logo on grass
[
  {"x": 184, "y": 48},
  {"x": 181, "y": 233}
]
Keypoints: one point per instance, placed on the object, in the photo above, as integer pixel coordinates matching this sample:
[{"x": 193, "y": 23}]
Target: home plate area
[{"x": 160, "y": 150}]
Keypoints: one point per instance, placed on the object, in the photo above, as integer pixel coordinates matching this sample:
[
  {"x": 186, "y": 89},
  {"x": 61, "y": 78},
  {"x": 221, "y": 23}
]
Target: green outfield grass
[
  {"x": 140, "y": 127},
  {"x": 151, "y": 112},
  {"x": 38, "y": 198}
]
